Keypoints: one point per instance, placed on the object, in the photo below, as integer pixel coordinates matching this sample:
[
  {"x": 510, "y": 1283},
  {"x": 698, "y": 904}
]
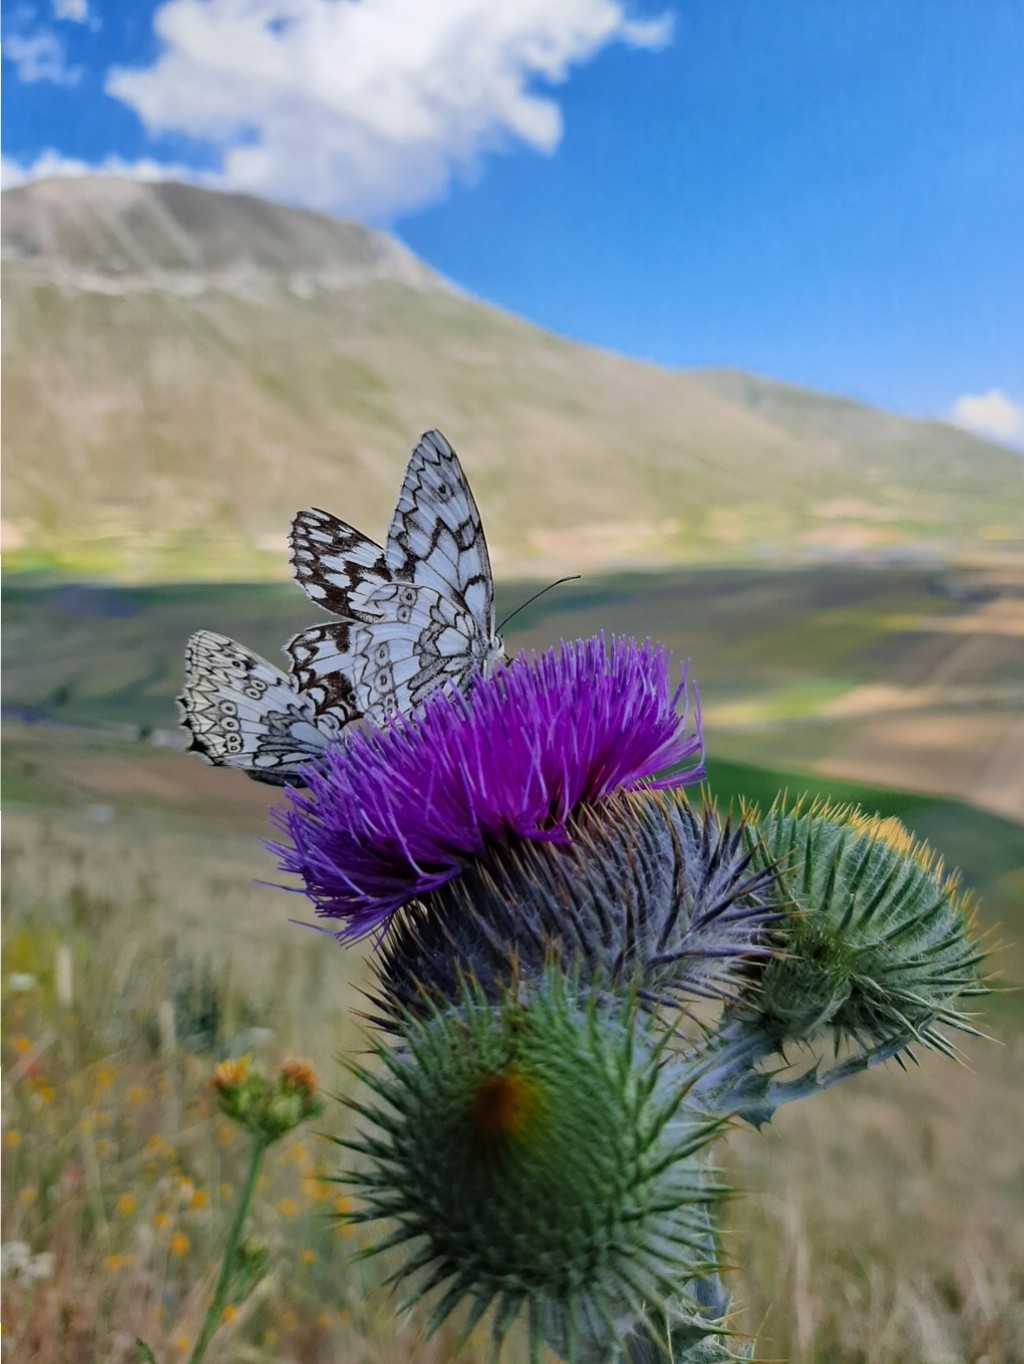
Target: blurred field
[{"x": 881, "y": 1222}]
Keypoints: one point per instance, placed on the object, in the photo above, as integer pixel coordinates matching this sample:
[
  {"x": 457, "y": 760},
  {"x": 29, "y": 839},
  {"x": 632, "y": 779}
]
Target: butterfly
[
  {"x": 412, "y": 615},
  {"x": 415, "y": 613}
]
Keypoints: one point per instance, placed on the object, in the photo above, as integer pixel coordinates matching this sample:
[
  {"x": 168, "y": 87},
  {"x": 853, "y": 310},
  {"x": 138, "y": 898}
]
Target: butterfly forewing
[
  {"x": 436, "y": 538},
  {"x": 335, "y": 564},
  {"x": 244, "y": 713}
]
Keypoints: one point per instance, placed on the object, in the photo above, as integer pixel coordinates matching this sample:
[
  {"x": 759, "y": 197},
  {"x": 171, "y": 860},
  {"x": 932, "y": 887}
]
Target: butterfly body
[{"x": 411, "y": 615}]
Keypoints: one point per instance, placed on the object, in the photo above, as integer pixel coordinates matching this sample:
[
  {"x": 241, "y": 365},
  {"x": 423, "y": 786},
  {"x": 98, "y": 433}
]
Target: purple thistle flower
[{"x": 396, "y": 812}]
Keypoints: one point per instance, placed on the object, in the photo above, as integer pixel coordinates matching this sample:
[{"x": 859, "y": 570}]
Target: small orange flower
[
  {"x": 343, "y": 1205},
  {"x": 308, "y": 1257},
  {"x": 27, "y": 1196},
  {"x": 125, "y": 1204},
  {"x": 230, "y": 1312},
  {"x": 161, "y": 1220},
  {"x": 21, "y": 1044},
  {"x": 289, "y": 1321},
  {"x": 180, "y": 1244},
  {"x": 12, "y": 1137},
  {"x": 200, "y": 1198},
  {"x": 299, "y": 1074},
  {"x": 138, "y": 1094},
  {"x": 229, "y": 1074},
  {"x": 287, "y": 1207},
  {"x": 323, "y": 1321},
  {"x": 113, "y": 1263}
]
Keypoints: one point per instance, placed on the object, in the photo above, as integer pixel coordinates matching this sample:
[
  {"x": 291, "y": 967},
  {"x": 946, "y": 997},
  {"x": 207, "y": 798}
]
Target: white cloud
[
  {"x": 367, "y": 107},
  {"x": 76, "y": 12},
  {"x": 40, "y": 56},
  {"x": 990, "y": 414},
  {"x": 51, "y": 164}
]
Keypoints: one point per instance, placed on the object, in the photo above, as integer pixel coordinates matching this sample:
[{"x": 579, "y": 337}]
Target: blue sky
[{"x": 829, "y": 192}]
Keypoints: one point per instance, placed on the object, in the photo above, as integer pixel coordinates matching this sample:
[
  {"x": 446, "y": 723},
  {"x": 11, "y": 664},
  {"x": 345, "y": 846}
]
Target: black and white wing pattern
[
  {"x": 335, "y": 564},
  {"x": 242, "y": 712},
  {"x": 415, "y": 613}
]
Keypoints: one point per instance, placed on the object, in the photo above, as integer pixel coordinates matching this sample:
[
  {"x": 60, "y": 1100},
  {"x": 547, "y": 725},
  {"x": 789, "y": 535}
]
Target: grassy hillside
[{"x": 183, "y": 370}]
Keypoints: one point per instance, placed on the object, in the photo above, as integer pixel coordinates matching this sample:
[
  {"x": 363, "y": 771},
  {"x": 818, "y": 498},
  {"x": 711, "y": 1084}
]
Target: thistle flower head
[
  {"x": 397, "y": 812},
  {"x": 646, "y": 896},
  {"x": 538, "y": 1156},
  {"x": 875, "y": 942}
]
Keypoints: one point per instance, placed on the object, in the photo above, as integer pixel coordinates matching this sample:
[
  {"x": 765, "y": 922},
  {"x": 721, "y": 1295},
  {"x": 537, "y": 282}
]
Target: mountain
[{"x": 183, "y": 369}]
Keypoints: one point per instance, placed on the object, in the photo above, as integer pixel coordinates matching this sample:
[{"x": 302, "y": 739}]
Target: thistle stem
[{"x": 220, "y": 1293}]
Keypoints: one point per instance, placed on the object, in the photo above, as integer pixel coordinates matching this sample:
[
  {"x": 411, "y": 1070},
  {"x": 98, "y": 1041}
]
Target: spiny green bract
[
  {"x": 876, "y": 940},
  {"x": 647, "y": 895},
  {"x": 540, "y": 1155}
]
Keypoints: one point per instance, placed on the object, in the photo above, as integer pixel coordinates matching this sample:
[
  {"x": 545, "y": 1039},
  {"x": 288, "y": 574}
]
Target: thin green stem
[{"x": 220, "y": 1293}]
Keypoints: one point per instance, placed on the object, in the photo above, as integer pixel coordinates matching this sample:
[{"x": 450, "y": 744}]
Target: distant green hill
[{"x": 183, "y": 370}]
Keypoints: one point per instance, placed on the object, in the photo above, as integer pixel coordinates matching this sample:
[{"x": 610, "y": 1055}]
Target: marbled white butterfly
[{"x": 413, "y": 614}]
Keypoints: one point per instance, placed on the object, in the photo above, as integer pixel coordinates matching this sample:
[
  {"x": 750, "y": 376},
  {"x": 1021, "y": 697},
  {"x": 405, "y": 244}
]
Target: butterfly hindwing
[
  {"x": 419, "y": 641},
  {"x": 244, "y": 713},
  {"x": 322, "y": 666}
]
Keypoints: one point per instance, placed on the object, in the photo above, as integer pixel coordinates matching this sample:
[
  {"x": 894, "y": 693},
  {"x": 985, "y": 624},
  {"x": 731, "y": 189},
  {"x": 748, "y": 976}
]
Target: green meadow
[{"x": 881, "y": 1223}]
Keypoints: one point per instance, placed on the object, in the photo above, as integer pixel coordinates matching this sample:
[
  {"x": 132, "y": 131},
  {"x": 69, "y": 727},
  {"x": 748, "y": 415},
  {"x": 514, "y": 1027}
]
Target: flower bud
[
  {"x": 646, "y": 896},
  {"x": 539, "y": 1155},
  {"x": 876, "y": 941},
  {"x": 267, "y": 1108}
]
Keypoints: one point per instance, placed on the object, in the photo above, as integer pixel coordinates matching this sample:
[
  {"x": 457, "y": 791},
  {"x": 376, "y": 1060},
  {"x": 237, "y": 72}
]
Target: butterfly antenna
[{"x": 573, "y": 578}]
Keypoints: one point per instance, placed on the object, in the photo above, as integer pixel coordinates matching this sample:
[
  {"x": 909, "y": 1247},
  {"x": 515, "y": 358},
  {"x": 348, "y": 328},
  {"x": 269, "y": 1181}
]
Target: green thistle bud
[
  {"x": 876, "y": 940},
  {"x": 539, "y": 1156}
]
